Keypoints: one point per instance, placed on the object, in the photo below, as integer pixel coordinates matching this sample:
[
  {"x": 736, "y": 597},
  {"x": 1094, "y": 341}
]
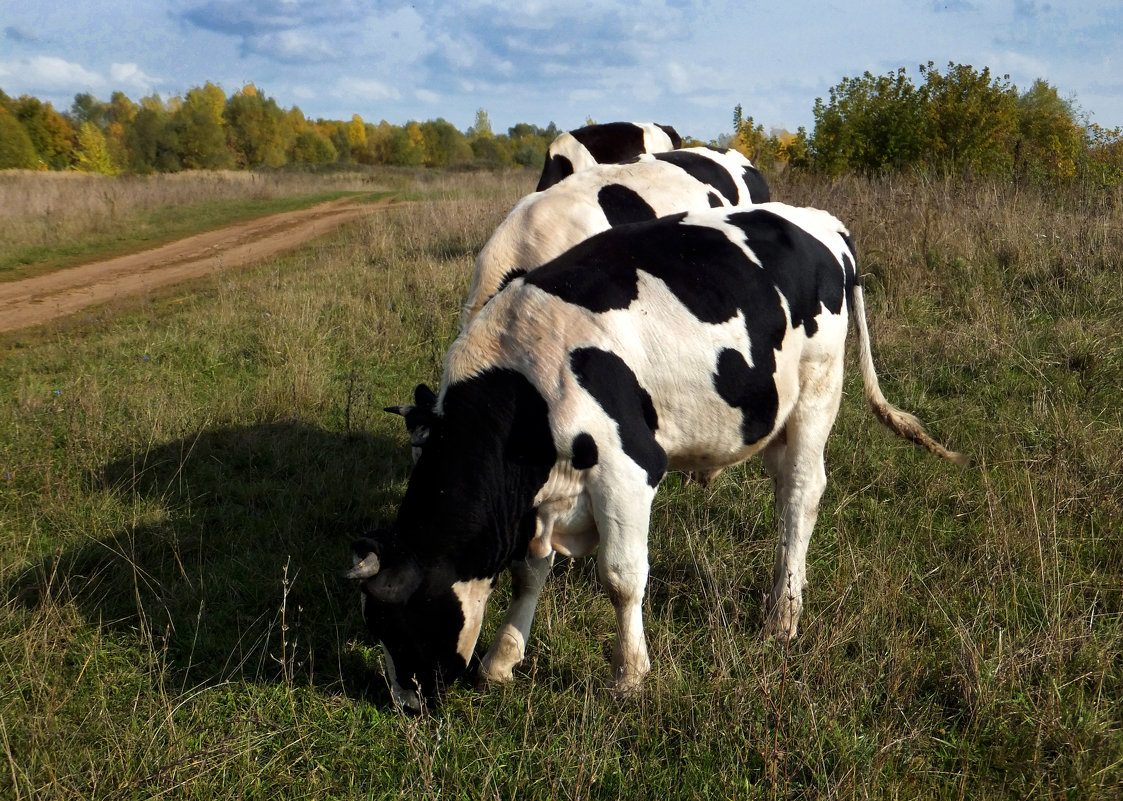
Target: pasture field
[
  {"x": 54, "y": 220},
  {"x": 180, "y": 479}
]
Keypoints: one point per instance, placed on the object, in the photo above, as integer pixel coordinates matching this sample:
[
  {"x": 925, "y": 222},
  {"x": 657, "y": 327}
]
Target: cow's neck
[{"x": 473, "y": 489}]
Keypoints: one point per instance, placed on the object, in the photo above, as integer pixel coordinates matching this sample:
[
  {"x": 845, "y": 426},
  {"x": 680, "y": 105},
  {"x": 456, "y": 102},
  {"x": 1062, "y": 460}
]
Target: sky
[{"x": 686, "y": 63}]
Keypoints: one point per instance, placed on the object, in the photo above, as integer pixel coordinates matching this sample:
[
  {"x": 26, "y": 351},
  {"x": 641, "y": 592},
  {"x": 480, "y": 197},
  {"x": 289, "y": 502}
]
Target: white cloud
[
  {"x": 292, "y": 47},
  {"x": 364, "y": 89},
  {"x": 131, "y": 78},
  {"x": 52, "y": 74}
]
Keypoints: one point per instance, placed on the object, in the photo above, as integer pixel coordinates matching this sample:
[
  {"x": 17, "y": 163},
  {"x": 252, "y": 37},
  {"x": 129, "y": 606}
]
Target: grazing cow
[
  {"x": 603, "y": 144},
  {"x": 692, "y": 341}
]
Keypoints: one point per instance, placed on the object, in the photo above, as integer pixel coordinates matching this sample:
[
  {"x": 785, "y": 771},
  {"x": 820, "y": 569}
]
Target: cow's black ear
[
  {"x": 424, "y": 398},
  {"x": 396, "y": 583},
  {"x": 403, "y": 410}
]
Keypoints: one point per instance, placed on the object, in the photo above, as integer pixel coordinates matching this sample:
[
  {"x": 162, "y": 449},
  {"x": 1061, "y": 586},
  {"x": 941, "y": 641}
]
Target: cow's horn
[{"x": 364, "y": 568}]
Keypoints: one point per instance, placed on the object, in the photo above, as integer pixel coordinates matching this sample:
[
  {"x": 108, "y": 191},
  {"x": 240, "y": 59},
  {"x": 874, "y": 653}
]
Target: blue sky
[{"x": 682, "y": 62}]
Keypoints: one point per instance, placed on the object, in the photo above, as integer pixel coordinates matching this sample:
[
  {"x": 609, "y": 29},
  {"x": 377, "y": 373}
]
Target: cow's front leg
[
  {"x": 794, "y": 460},
  {"x": 622, "y": 515},
  {"x": 509, "y": 645}
]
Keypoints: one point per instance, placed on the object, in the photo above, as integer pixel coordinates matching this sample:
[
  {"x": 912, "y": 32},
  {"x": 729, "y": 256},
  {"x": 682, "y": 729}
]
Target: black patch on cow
[
  {"x": 715, "y": 280},
  {"x": 556, "y": 168},
  {"x": 797, "y": 264},
  {"x": 676, "y": 140},
  {"x": 487, "y": 456},
  {"x": 614, "y": 386},
  {"x": 757, "y": 186},
  {"x": 715, "y": 200},
  {"x": 705, "y": 170},
  {"x": 622, "y": 205},
  {"x": 585, "y": 453},
  {"x": 752, "y": 391},
  {"x": 611, "y": 141},
  {"x": 510, "y": 276}
]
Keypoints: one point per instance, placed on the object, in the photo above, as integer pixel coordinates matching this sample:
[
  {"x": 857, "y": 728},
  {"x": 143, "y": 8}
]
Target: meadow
[{"x": 181, "y": 476}]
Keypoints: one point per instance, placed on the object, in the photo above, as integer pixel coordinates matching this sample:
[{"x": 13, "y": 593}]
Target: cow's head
[
  {"x": 419, "y": 417},
  {"x": 426, "y": 621}
]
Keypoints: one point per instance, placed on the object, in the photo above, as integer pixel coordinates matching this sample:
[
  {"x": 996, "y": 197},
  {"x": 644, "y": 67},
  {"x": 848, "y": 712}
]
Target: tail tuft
[{"x": 899, "y": 422}]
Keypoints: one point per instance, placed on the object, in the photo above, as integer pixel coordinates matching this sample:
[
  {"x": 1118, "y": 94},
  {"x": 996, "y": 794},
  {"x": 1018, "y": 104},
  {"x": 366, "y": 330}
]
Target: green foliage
[
  {"x": 16, "y": 148},
  {"x": 93, "y": 152},
  {"x": 51, "y": 134},
  {"x": 970, "y": 120},
  {"x": 960, "y": 121},
  {"x": 200, "y": 129},
  {"x": 258, "y": 129},
  {"x": 205, "y": 129},
  {"x": 1050, "y": 140},
  {"x": 312, "y": 147},
  {"x": 869, "y": 124}
]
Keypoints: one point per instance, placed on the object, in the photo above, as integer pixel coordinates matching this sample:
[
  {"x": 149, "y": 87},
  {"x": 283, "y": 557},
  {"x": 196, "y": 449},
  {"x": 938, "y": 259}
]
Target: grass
[{"x": 180, "y": 478}]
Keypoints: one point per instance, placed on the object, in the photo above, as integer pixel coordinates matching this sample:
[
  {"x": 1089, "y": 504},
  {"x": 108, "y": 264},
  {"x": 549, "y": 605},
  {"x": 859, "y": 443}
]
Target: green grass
[{"x": 180, "y": 479}]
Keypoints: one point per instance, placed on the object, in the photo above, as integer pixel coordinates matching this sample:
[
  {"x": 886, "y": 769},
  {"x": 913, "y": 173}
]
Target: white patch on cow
[{"x": 473, "y": 597}]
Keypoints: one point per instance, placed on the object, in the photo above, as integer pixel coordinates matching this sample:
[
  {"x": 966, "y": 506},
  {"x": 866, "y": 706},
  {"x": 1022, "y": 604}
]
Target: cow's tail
[{"x": 899, "y": 422}]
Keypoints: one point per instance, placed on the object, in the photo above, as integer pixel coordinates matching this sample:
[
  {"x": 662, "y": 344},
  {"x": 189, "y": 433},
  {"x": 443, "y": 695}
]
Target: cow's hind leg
[
  {"x": 509, "y": 645},
  {"x": 622, "y": 511},
  {"x": 795, "y": 462}
]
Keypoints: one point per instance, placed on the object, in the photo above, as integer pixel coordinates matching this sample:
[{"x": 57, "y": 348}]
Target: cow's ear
[
  {"x": 396, "y": 583},
  {"x": 424, "y": 398}
]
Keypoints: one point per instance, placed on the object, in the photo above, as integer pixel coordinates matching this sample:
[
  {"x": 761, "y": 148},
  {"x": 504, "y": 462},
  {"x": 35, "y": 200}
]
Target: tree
[
  {"x": 312, "y": 147},
  {"x": 356, "y": 136},
  {"x": 16, "y": 149},
  {"x": 971, "y": 119},
  {"x": 51, "y": 134},
  {"x": 1048, "y": 134},
  {"x": 482, "y": 126},
  {"x": 93, "y": 152},
  {"x": 200, "y": 129},
  {"x": 87, "y": 108},
  {"x": 259, "y": 130},
  {"x": 869, "y": 124}
]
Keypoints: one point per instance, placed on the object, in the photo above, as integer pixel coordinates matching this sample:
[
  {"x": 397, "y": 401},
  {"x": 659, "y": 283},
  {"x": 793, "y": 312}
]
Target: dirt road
[{"x": 37, "y": 300}]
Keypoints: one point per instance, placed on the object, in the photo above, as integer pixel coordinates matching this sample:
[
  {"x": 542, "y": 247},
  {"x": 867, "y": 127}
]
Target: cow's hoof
[
  {"x": 498, "y": 666},
  {"x": 627, "y": 682},
  {"x": 781, "y": 619},
  {"x": 622, "y": 689}
]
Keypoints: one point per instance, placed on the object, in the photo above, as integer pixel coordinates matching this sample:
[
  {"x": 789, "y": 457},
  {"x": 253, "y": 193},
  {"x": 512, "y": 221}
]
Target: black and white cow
[
  {"x": 692, "y": 342},
  {"x": 545, "y": 224},
  {"x": 576, "y": 150}
]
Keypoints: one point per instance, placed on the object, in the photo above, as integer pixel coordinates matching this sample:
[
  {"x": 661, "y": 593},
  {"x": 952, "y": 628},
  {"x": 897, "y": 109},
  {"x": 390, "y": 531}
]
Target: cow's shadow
[{"x": 229, "y": 563}]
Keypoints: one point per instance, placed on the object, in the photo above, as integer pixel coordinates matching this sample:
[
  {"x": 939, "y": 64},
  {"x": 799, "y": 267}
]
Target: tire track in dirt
[{"x": 37, "y": 300}]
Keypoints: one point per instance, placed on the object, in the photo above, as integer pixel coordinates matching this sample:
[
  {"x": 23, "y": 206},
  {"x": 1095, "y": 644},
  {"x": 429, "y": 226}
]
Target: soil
[{"x": 37, "y": 300}]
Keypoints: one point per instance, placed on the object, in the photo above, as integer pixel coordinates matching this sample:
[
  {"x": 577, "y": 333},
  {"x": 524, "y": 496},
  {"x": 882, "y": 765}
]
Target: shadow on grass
[{"x": 229, "y": 559}]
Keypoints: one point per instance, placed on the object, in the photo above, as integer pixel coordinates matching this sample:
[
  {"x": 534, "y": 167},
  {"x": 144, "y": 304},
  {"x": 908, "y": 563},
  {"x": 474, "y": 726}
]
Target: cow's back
[{"x": 712, "y": 333}]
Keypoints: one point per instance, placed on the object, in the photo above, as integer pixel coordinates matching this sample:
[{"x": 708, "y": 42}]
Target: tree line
[
  {"x": 956, "y": 121},
  {"x": 206, "y": 129}
]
